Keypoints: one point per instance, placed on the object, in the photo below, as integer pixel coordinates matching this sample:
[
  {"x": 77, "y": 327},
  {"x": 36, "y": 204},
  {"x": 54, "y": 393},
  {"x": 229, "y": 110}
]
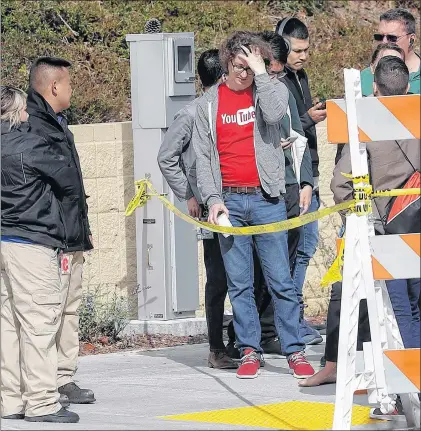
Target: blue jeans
[
  {"x": 309, "y": 237},
  {"x": 272, "y": 250},
  {"x": 404, "y": 296}
]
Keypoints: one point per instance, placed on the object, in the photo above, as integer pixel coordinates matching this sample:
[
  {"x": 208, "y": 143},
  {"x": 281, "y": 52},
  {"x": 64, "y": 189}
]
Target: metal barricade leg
[{"x": 348, "y": 329}]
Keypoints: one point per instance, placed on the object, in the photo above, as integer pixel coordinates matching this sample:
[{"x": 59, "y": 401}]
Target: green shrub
[
  {"x": 91, "y": 34},
  {"x": 309, "y": 7},
  {"x": 102, "y": 316}
]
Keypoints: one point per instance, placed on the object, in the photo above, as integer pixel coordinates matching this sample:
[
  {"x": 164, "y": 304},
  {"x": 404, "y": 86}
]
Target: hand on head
[{"x": 254, "y": 59}]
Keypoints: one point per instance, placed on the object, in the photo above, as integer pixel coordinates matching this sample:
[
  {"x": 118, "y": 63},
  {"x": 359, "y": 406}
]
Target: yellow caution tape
[
  {"x": 145, "y": 191},
  {"x": 142, "y": 196},
  {"x": 396, "y": 192},
  {"x": 334, "y": 273},
  {"x": 357, "y": 180},
  {"x": 139, "y": 198},
  {"x": 362, "y": 194}
]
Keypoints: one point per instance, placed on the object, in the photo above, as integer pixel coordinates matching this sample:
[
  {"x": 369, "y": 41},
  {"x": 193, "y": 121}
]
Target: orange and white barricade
[{"x": 382, "y": 368}]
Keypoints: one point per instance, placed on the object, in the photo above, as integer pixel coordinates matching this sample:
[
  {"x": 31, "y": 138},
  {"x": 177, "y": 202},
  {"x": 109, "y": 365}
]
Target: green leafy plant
[
  {"x": 102, "y": 316},
  {"x": 91, "y": 34}
]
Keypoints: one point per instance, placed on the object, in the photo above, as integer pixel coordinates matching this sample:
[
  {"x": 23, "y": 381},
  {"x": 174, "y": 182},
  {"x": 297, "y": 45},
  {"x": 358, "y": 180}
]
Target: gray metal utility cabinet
[{"x": 162, "y": 82}]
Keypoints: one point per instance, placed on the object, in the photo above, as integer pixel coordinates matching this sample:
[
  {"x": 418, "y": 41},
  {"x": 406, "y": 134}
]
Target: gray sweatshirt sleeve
[
  {"x": 202, "y": 144},
  {"x": 169, "y": 156},
  {"x": 273, "y": 98}
]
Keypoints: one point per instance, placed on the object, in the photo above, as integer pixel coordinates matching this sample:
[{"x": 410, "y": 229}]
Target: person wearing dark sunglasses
[{"x": 396, "y": 26}]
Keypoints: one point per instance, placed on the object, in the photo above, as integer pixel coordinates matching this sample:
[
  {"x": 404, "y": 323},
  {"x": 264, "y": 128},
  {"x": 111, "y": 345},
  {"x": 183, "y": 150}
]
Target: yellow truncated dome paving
[{"x": 294, "y": 415}]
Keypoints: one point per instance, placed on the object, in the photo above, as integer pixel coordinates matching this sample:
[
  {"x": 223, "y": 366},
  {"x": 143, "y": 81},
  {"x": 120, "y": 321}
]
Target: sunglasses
[{"x": 389, "y": 37}]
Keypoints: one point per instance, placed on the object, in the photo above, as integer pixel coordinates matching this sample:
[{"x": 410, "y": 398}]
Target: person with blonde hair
[
  {"x": 13, "y": 106},
  {"x": 32, "y": 235}
]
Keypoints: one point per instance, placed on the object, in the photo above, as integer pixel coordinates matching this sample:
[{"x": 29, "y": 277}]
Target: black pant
[
  {"x": 216, "y": 290},
  {"x": 332, "y": 325},
  {"x": 261, "y": 293}
]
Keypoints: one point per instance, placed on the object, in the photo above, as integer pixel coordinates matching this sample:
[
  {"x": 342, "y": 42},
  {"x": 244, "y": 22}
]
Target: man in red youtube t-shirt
[
  {"x": 235, "y": 137},
  {"x": 241, "y": 174}
]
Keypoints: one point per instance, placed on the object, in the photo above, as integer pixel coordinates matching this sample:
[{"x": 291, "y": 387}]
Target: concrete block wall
[{"x": 106, "y": 156}]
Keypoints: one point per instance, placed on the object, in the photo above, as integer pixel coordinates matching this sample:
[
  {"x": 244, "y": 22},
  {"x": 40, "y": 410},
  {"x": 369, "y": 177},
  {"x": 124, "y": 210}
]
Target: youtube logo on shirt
[
  {"x": 235, "y": 137},
  {"x": 242, "y": 117}
]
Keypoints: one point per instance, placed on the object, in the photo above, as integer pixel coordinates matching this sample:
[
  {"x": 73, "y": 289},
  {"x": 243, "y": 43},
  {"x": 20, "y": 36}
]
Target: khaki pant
[
  {"x": 31, "y": 308},
  {"x": 68, "y": 335}
]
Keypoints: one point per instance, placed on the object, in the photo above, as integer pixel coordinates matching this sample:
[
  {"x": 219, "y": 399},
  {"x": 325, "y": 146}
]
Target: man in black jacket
[
  {"x": 49, "y": 94},
  {"x": 296, "y": 35}
]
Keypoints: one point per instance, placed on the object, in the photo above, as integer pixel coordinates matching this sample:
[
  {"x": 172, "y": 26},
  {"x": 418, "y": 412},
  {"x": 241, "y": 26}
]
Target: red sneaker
[
  {"x": 250, "y": 364},
  {"x": 299, "y": 365}
]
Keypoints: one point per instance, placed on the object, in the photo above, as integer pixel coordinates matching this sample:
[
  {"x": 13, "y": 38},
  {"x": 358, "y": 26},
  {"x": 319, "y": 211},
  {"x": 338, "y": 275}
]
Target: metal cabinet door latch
[{"x": 148, "y": 261}]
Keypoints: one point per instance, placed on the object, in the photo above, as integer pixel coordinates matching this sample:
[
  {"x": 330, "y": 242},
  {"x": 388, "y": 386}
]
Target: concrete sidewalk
[{"x": 135, "y": 389}]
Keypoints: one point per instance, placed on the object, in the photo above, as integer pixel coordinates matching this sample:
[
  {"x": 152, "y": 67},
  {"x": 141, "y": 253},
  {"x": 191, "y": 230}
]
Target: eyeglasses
[
  {"x": 240, "y": 69},
  {"x": 389, "y": 37}
]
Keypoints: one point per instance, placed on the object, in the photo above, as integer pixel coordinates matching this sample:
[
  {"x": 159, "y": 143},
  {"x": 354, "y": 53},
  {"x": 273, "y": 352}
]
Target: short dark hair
[
  {"x": 401, "y": 15},
  {"x": 209, "y": 67},
  {"x": 42, "y": 65},
  {"x": 278, "y": 45},
  {"x": 391, "y": 76},
  {"x": 293, "y": 28},
  {"x": 383, "y": 46}
]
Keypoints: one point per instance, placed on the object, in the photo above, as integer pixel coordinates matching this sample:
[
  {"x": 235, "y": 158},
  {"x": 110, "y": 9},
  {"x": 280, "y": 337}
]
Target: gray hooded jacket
[
  {"x": 176, "y": 157},
  {"x": 271, "y": 101}
]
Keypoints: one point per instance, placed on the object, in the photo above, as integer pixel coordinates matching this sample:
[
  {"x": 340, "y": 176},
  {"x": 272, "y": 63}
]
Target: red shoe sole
[
  {"x": 248, "y": 376},
  {"x": 302, "y": 376}
]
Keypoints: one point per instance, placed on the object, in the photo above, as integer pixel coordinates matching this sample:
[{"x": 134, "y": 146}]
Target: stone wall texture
[{"x": 106, "y": 156}]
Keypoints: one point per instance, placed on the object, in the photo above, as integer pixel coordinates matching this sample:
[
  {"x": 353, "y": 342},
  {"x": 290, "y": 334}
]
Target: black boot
[
  {"x": 14, "y": 416},
  {"x": 77, "y": 395},
  {"x": 62, "y": 416},
  {"x": 232, "y": 351},
  {"x": 221, "y": 361},
  {"x": 271, "y": 347}
]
